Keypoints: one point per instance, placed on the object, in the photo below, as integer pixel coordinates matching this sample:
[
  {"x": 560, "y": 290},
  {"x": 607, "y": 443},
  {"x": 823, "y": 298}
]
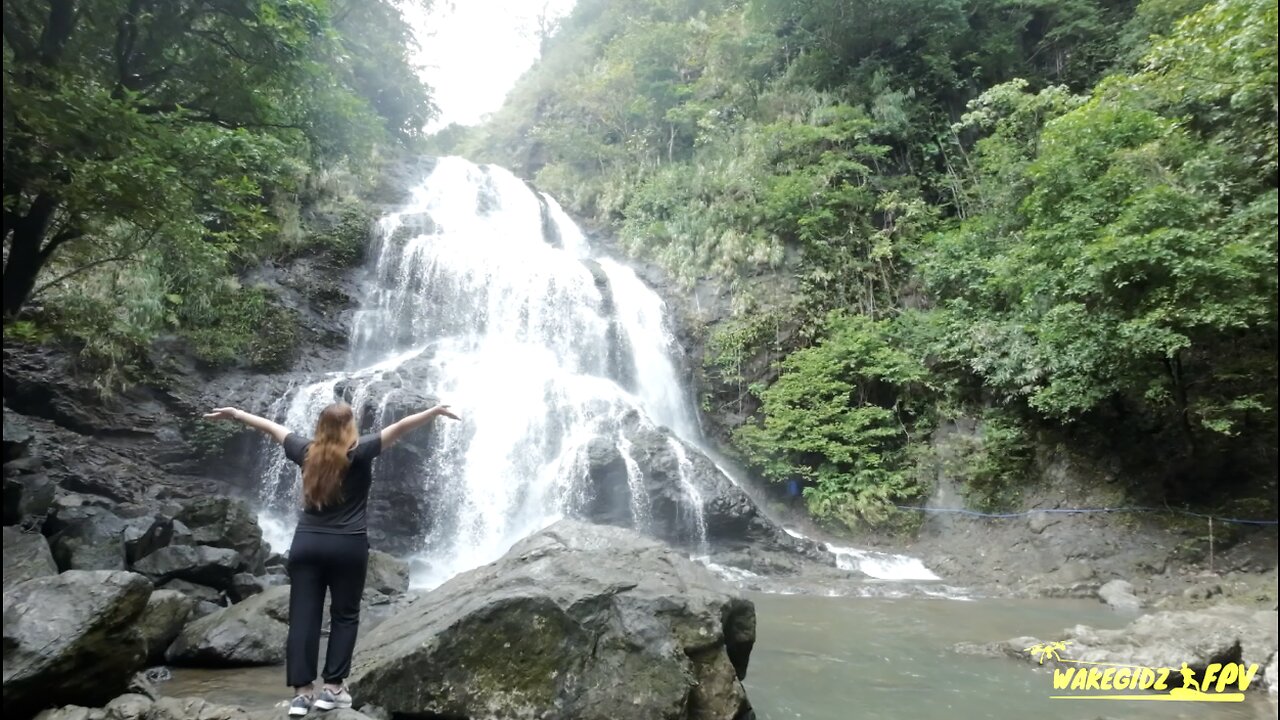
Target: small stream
[{"x": 841, "y": 658}]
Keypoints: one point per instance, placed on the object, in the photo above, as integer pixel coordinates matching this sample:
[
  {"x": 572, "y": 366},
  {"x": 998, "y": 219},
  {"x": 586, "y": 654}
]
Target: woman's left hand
[
  {"x": 445, "y": 411},
  {"x": 226, "y": 413}
]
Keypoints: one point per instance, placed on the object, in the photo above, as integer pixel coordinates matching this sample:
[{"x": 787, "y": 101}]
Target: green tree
[
  {"x": 840, "y": 417},
  {"x": 140, "y": 124}
]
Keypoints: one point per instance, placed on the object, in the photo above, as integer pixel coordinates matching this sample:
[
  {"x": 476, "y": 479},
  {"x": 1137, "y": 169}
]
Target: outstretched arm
[
  {"x": 393, "y": 432},
  {"x": 275, "y": 430}
]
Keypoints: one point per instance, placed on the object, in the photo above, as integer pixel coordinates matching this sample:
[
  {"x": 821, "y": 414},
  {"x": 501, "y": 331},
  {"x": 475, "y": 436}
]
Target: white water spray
[{"x": 473, "y": 303}]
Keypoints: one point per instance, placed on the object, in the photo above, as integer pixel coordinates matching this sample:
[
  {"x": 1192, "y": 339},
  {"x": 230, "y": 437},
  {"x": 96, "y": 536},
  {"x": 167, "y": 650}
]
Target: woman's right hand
[{"x": 225, "y": 413}]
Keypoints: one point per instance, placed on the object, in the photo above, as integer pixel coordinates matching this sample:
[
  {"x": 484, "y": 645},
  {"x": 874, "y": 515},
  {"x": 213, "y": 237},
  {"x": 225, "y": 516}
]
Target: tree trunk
[{"x": 26, "y": 257}]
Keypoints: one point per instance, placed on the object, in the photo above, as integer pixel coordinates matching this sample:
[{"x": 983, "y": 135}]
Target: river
[{"x": 844, "y": 658}]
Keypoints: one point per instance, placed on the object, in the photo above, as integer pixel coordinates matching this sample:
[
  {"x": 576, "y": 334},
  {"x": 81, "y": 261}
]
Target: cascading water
[
  {"x": 485, "y": 295},
  {"x": 691, "y": 490}
]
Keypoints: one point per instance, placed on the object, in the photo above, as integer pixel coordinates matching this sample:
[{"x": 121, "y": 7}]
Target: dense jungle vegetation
[
  {"x": 155, "y": 149},
  {"x": 1058, "y": 216}
]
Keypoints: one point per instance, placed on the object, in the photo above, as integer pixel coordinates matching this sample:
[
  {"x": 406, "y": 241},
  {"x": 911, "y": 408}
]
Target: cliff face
[{"x": 148, "y": 441}]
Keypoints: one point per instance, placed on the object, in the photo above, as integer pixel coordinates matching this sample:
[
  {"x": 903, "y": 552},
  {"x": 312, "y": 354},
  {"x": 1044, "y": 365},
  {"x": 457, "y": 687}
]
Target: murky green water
[
  {"x": 847, "y": 658},
  {"x": 844, "y": 658}
]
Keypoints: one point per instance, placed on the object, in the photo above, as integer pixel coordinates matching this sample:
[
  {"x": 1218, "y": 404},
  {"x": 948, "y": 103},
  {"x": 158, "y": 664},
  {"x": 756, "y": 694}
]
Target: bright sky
[{"x": 473, "y": 51}]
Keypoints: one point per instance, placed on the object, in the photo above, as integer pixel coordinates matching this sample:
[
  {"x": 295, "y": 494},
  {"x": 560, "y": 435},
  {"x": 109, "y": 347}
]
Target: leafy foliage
[
  {"x": 153, "y": 149},
  {"x": 1060, "y": 215},
  {"x": 837, "y": 418}
]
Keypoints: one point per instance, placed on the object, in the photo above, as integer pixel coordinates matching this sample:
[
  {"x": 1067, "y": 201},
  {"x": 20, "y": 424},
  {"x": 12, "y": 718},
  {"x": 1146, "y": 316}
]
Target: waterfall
[
  {"x": 691, "y": 492},
  {"x": 484, "y": 294}
]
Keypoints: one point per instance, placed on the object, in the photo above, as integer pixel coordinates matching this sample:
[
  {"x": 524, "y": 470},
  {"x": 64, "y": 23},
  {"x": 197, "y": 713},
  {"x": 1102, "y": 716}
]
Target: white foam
[{"x": 881, "y": 565}]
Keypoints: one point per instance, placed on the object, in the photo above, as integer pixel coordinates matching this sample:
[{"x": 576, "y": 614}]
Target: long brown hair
[{"x": 327, "y": 461}]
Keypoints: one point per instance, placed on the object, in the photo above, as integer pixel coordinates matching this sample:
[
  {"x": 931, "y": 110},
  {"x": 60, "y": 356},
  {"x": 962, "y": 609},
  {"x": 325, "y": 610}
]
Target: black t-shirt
[{"x": 347, "y": 517}]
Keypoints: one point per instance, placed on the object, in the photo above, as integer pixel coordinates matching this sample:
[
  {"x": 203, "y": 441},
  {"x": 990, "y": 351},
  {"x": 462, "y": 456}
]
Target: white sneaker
[
  {"x": 300, "y": 706},
  {"x": 328, "y": 699}
]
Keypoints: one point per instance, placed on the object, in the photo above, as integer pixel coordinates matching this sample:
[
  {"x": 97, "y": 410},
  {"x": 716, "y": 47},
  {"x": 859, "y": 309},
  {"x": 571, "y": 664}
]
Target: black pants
[{"x": 320, "y": 562}]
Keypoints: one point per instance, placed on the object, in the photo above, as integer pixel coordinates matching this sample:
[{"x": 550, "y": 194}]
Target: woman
[{"x": 330, "y": 546}]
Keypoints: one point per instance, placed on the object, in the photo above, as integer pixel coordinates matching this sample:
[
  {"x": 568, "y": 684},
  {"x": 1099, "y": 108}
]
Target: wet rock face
[
  {"x": 730, "y": 517},
  {"x": 580, "y": 621},
  {"x": 250, "y": 633},
  {"x": 199, "y": 564},
  {"x": 166, "y": 613},
  {"x": 26, "y": 556},
  {"x": 226, "y": 522},
  {"x": 87, "y": 538}
]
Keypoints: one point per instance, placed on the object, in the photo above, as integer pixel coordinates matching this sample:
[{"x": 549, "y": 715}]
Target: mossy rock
[{"x": 581, "y": 621}]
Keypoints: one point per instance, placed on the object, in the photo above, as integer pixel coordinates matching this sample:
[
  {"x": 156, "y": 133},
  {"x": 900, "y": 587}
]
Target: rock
[
  {"x": 250, "y": 633},
  {"x": 761, "y": 562},
  {"x": 226, "y": 522},
  {"x": 387, "y": 574},
  {"x": 145, "y": 535},
  {"x": 27, "y": 497},
  {"x": 1202, "y": 592},
  {"x": 129, "y": 706},
  {"x": 578, "y": 621},
  {"x": 196, "y": 592},
  {"x": 1074, "y": 571},
  {"x": 71, "y": 638},
  {"x": 73, "y": 712},
  {"x": 202, "y": 564},
  {"x": 1225, "y": 633},
  {"x": 1269, "y": 676},
  {"x": 166, "y": 614},
  {"x": 1119, "y": 595},
  {"x": 244, "y": 586},
  {"x": 26, "y": 556},
  {"x": 205, "y": 608},
  {"x": 1037, "y": 522},
  {"x": 729, "y": 518},
  {"x": 141, "y": 707},
  {"x": 17, "y": 436},
  {"x": 86, "y": 537},
  {"x": 375, "y": 712},
  {"x": 182, "y": 534}
]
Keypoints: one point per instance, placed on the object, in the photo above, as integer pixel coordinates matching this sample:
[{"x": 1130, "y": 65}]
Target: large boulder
[
  {"x": 387, "y": 574},
  {"x": 250, "y": 633},
  {"x": 166, "y": 614},
  {"x": 26, "y": 556},
  {"x": 86, "y": 537},
  {"x": 579, "y": 620},
  {"x": 71, "y": 638},
  {"x": 201, "y": 564},
  {"x": 145, "y": 535},
  {"x": 227, "y": 522}
]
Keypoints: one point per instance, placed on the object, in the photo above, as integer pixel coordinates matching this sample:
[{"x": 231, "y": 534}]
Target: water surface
[
  {"x": 845, "y": 658},
  {"x": 820, "y": 658}
]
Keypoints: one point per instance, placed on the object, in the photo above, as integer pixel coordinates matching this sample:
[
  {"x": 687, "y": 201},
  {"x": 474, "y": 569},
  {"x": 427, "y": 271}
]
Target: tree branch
[
  {"x": 127, "y": 255},
  {"x": 64, "y": 236}
]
